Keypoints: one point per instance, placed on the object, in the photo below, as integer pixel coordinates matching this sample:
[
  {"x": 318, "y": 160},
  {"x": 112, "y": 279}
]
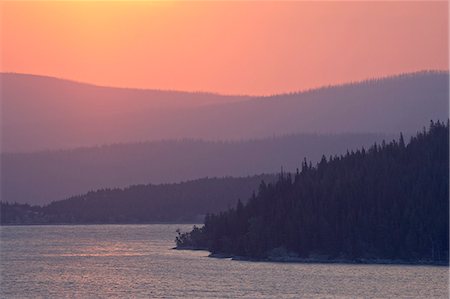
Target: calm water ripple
[{"x": 136, "y": 261}]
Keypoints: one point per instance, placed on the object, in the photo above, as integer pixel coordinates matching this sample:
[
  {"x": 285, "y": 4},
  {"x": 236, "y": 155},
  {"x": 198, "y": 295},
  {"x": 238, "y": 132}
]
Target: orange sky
[{"x": 226, "y": 47}]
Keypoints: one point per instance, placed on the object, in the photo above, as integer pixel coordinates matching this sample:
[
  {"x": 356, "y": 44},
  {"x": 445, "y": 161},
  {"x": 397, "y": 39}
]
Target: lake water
[{"x": 136, "y": 261}]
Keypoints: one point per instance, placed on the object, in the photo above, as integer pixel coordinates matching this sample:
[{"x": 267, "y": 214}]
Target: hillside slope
[
  {"x": 181, "y": 202},
  {"x": 387, "y": 202},
  {"x": 41, "y": 177},
  {"x": 45, "y": 113}
]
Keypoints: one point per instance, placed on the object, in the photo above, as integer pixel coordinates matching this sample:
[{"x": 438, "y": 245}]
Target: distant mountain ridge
[
  {"x": 41, "y": 113},
  {"x": 41, "y": 177},
  {"x": 181, "y": 202}
]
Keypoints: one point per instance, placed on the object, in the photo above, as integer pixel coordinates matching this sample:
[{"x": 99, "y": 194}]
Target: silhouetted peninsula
[{"x": 389, "y": 202}]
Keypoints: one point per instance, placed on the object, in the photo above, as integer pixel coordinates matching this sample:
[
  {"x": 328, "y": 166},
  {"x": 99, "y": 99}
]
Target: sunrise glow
[{"x": 232, "y": 48}]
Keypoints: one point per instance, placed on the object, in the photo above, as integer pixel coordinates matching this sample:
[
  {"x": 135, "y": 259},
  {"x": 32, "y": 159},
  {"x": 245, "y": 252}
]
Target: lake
[{"x": 118, "y": 261}]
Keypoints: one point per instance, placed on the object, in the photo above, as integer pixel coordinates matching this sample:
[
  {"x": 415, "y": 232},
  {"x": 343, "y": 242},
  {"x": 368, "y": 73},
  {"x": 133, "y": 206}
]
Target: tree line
[
  {"x": 389, "y": 201},
  {"x": 182, "y": 202}
]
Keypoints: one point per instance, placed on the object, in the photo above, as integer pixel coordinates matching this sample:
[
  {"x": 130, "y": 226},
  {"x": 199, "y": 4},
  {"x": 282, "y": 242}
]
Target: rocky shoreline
[{"x": 318, "y": 260}]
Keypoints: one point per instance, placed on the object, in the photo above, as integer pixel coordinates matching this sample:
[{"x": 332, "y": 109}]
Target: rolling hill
[
  {"x": 182, "y": 202},
  {"x": 40, "y": 113},
  {"x": 41, "y": 177}
]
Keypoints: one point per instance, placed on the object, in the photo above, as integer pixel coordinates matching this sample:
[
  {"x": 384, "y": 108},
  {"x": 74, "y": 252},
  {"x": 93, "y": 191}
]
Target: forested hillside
[
  {"x": 181, "y": 202},
  {"x": 387, "y": 202},
  {"x": 70, "y": 172},
  {"x": 86, "y": 137},
  {"x": 40, "y": 113}
]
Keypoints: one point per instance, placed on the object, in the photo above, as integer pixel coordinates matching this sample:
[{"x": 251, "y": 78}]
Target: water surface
[{"x": 117, "y": 261}]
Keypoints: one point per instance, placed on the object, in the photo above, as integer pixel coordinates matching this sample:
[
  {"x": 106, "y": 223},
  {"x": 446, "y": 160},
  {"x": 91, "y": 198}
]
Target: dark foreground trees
[{"x": 388, "y": 202}]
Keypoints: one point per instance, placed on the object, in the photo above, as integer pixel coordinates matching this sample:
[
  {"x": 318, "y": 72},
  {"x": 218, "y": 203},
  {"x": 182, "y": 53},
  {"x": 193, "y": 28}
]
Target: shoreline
[
  {"x": 342, "y": 261},
  {"x": 102, "y": 223},
  {"x": 297, "y": 260}
]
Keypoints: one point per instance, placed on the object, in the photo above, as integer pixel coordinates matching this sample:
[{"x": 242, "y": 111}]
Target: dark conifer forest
[
  {"x": 390, "y": 201},
  {"x": 182, "y": 202}
]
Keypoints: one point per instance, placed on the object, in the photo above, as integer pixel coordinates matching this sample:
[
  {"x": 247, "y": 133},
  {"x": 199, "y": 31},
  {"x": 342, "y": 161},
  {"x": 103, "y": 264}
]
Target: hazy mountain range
[
  {"x": 47, "y": 113},
  {"x": 41, "y": 177},
  {"x": 263, "y": 133}
]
